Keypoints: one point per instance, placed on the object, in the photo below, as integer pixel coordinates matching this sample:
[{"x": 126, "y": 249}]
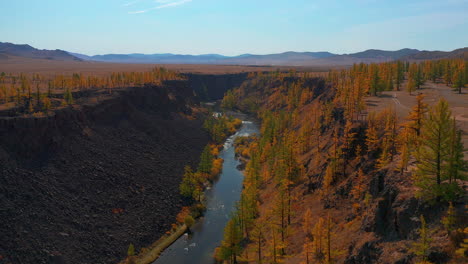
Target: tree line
[
  {"x": 327, "y": 118},
  {"x": 35, "y": 92}
]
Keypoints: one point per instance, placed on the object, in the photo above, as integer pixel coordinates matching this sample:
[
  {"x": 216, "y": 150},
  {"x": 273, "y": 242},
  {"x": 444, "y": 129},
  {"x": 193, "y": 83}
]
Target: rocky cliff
[{"x": 82, "y": 184}]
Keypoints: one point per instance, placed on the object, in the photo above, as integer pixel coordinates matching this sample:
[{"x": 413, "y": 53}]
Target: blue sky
[{"x": 233, "y": 27}]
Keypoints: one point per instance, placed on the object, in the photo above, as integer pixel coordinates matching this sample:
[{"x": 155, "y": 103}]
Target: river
[{"x": 207, "y": 233}]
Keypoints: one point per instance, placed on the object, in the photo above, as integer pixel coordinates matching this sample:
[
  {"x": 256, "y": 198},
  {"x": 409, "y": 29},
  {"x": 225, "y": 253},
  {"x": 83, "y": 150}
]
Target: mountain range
[{"x": 285, "y": 59}]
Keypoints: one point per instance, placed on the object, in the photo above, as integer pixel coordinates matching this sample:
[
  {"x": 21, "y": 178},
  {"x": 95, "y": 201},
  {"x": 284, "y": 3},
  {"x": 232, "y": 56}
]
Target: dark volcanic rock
[
  {"x": 80, "y": 186},
  {"x": 368, "y": 253}
]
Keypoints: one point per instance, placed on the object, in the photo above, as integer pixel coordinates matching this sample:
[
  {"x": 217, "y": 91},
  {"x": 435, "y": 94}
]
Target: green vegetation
[
  {"x": 440, "y": 156},
  {"x": 206, "y": 161},
  {"x": 221, "y": 126},
  {"x": 131, "y": 250},
  {"x": 230, "y": 246},
  {"x": 189, "y": 221},
  {"x": 422, "y": 247}
]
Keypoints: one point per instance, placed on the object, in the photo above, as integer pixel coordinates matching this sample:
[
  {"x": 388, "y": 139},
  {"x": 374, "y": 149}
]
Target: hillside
[
  {"x": 436, "y": 55},
  {"x": 305, "y": 59},
  {"x": 27, "y": 51},
  {"x": 328, "y": 180},
  {"x": 287, "y": 58},
  {"x": 81, "y": 184}
]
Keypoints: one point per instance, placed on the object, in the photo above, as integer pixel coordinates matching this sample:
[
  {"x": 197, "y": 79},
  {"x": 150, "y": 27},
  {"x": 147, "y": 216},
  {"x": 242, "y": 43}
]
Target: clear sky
[{"x": 234, "y": 27}]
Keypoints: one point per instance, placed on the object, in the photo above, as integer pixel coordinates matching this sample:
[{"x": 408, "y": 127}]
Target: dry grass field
[{"x": 13, "y": 64}]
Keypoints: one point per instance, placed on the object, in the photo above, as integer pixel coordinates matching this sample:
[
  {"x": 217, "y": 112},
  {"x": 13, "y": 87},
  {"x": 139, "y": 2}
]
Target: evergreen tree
[
  {"x": 131, "y": 250},
  {"x": 206, "y": 161},
  {"x": 372, "y": 137},
  {"x": 459, "y": 78},
  {"x": 433, "y": 155},
  {"x": 230, "y": 246},
  {"x": 456, "y": 166},
  {"x": 68, "y": 96},
  {"x": 416, "y": 116},
  {"x": 399, "y": 75},
  {"x": 189, "y": 183},
  {"x": 258, "y": 237},
  {"x": 450, "y": 219},
  {"x": 422, "y": 247},
  {"x": 319, "y": 238}
]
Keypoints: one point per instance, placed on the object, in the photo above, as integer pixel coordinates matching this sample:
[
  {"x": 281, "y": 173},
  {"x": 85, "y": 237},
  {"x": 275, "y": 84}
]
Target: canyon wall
[{"x": 79, "y": 186}]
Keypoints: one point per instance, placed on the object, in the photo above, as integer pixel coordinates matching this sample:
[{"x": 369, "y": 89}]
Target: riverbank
[
  {"x": 221, "y": 199},
  {"x": 152, "y": 253},
  {"x": 204, "y": 178}
]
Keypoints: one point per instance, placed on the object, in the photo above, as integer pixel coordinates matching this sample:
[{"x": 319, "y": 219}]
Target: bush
[
  {"x": 197, "y": 210},
  {"x": 131, "y": 250},
  {"x": 189, "y": 221}
]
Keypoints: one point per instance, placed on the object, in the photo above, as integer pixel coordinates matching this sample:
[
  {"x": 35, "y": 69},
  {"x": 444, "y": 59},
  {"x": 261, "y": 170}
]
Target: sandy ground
[{"x": 403, "y": 102}]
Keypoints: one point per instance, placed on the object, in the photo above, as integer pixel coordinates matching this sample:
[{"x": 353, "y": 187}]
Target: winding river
[{"x": 198, "y": 247}]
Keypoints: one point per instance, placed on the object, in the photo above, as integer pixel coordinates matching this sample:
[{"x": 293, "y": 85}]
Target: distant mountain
[
  {"x": 368, "y": 56},
  {"x": 290, "y": 58},
  {"x": 286, "y": 58},
  {"x": 81, "y": 56},
  {"x": 30, "y": 52},
  {"x": 383, "y": 54},
  {"x": 165, "y": 58},
  {"x": 436, "y": 55}
]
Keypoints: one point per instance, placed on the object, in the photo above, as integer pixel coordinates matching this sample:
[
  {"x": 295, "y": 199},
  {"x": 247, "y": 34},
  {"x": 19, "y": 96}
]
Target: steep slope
[
  {"x": 81, "y": 185},
  {"x": 315, "y": 163}
]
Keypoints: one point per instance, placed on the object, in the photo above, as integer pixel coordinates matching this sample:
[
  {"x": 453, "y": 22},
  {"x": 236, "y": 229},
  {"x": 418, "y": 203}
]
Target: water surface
[{"x": 198, "y": 248}]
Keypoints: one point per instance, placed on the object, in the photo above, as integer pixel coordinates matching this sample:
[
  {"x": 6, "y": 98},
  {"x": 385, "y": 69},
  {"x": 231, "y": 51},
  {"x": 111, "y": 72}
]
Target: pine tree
[
  {"x": 189, "y": 221},
  {"x": 329, "y": 177},
  {"x": 433, "y": 155},
  {"x": 230, "y": 246},
  {"x": 68, "y": 96},
  {"x": 417, "y": 114},
  {"x": 319, "y": 238},
  {"x": 404, "y": 140},
  {"x": 459, "y": 80},
  {"x": 422, "y": 247},
  {"x": 450, "y": 219},
  {"x": 258, "y": 237},
  {"x": 372, "y": 137},
  {"x": 206, "y": 161},
  {"x": 347, "y": 142},
  {"x": 189, "y": 183},
  {"x": 399, "y": 75},
  {"x": 359, "y": 186},
  {"x": 46, "y": 104},
  {"x": 389, "y": 137},
  {"x": 131, "y": 250},
  {"x": 457, "y": 166}
]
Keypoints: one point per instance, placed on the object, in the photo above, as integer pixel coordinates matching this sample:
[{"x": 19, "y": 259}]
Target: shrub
[{"x": 189, "y": 221}]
